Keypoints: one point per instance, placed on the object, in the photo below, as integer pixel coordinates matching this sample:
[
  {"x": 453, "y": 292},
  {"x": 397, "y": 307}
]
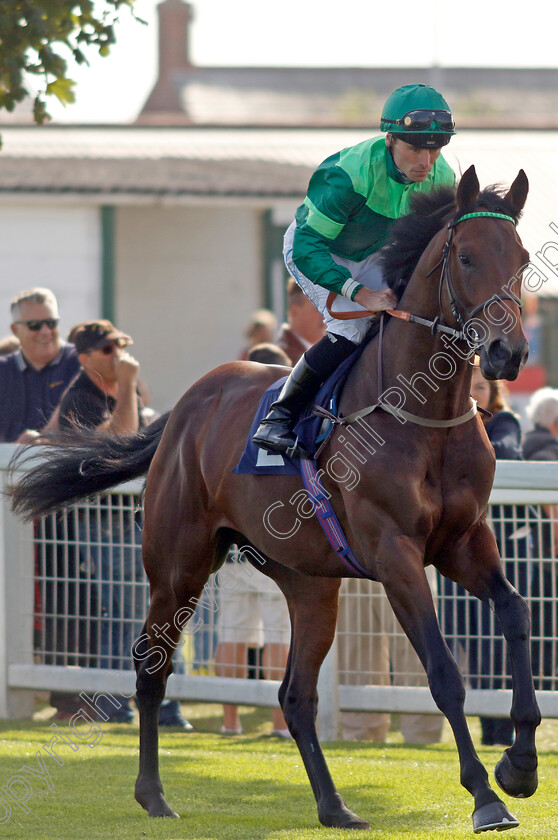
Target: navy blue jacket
[
  {"x": 29, "y": 396},
  {"x": 504, "y": 432}
]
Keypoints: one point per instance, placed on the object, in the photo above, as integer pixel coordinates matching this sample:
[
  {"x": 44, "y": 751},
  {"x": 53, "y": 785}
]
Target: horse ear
[
  {"x": 468, "y": 188},
  {"x": 517, "y": 194}
]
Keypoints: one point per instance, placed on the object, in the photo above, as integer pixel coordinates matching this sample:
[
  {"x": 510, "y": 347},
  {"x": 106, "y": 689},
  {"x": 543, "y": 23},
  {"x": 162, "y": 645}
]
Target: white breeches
[{"x": 367, "y": 273}]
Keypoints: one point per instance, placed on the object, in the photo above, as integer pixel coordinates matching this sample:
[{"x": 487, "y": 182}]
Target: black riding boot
[{"x": 275, "y": 432}]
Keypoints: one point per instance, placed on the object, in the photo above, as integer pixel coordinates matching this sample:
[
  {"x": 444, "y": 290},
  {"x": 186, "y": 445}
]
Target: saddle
[{"x": 312, "y": 429}]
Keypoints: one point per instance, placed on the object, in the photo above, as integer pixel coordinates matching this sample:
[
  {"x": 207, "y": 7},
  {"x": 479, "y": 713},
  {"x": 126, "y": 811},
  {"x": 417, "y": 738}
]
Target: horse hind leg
[
  {"x": 153, "y": 652},
  {"x": 313, "y": 609}
]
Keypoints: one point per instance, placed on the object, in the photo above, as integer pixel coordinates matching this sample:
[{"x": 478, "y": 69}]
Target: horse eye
[{"x": 464, "y": 259}]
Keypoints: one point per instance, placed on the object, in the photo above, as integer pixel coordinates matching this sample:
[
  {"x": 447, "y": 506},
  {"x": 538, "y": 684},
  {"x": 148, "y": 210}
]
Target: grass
[{"x": 253, "y": 787}]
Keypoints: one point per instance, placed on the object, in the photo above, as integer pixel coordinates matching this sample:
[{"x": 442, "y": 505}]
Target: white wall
[
  {"x": 187, "y": 281},
  {"x": 54, "y": 246}
]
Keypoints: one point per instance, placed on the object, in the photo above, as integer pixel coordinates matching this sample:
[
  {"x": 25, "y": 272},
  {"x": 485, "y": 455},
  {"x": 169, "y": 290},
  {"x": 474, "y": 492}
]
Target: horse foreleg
[
  {"x": 313, "y": 609},
  {"x": 516, "y": 772},
  {"x": 407, "y": 588},
  {"x": 480, "y": 572}
]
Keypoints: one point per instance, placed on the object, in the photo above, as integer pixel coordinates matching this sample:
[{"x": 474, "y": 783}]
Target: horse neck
[{"x": 432, "y": 373}]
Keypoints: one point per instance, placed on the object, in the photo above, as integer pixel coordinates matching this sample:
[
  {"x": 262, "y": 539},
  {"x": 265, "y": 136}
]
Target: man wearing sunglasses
[
  {"x": 333, "y": 244},
  {"x": 33, "y": 378},
  {"x": 105, "y": 394}
]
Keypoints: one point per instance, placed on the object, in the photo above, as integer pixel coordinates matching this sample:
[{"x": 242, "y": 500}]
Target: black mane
[{"x": 428, "y": 214}]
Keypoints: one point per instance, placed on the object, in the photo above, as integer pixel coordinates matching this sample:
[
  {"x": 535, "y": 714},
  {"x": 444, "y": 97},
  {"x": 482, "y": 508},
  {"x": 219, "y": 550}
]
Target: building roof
[
  {"x": 480, "y": 97},
  {"x": 150, "y": 178},
  {"x": 137, "y": 162}
]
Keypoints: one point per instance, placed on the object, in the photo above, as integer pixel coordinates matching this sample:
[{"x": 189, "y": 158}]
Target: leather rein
[{"x": 435, "y": 326}]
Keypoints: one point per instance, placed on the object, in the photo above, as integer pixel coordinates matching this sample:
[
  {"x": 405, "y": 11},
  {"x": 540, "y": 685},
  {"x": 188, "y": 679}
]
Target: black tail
[{"x": 80, "y": 466}]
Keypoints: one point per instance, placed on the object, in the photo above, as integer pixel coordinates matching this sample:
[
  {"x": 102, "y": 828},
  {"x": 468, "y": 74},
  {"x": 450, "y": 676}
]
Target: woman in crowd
[{"x": 474, "y": 622}]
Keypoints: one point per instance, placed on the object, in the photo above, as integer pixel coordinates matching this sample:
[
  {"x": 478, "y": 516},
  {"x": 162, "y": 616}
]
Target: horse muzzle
[{"x": 500, "y": 359}]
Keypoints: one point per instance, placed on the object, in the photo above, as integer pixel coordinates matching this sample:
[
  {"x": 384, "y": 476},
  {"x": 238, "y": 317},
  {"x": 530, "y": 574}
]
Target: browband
[{"x": 483, "y": 213}]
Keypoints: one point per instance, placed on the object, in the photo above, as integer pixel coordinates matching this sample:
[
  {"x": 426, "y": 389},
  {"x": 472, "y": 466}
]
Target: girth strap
[{"x": 328, "y": 520}]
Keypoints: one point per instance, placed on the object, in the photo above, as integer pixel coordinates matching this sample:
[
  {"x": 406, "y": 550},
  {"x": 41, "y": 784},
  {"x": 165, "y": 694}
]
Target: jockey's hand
[{"x": 376, "y": 301}]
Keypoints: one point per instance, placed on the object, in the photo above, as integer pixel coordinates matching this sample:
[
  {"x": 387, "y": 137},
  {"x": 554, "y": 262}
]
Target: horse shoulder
[{"x": 468, "y": 473}]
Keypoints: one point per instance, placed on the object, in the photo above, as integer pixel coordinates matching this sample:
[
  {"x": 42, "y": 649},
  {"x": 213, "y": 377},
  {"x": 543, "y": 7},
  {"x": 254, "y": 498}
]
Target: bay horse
[{"x": 415, "y": 498}]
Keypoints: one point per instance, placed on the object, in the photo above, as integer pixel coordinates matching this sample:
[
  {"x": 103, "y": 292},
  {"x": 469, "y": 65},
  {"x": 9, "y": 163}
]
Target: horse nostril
[{"x": 499, "y": 353}]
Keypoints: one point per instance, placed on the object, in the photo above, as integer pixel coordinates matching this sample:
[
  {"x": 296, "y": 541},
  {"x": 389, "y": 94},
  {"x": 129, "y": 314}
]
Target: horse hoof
[
  {"x": 494, "y": 816},
  {"x": 346, "y": 820},
  {"x": 513, "y": 781},
  {"x": 337, "y": 815},
  {"x": 156, "y": 805}
]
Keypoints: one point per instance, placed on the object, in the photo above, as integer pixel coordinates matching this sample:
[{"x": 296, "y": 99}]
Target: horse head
[{"x": 482, "y": 273}]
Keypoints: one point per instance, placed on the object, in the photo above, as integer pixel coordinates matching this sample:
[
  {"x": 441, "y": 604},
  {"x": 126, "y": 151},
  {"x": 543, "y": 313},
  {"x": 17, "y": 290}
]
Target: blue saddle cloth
[{"x": 311, "y": 430}]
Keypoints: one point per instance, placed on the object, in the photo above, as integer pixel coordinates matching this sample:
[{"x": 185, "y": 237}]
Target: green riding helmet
[{"x": 419, "y": 115}]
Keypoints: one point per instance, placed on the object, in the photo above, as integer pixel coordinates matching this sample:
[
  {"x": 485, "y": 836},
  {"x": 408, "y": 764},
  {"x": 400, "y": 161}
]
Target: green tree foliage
[{"x": 40, "y": 39}]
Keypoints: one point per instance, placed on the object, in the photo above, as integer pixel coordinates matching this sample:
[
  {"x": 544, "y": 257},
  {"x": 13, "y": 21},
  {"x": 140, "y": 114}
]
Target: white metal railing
[{"x": 73, "y": 595}]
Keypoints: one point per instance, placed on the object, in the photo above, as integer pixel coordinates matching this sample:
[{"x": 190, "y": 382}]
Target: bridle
[
  {"x": 456, "y": 304},
  {"x": 461, "y": 314}
]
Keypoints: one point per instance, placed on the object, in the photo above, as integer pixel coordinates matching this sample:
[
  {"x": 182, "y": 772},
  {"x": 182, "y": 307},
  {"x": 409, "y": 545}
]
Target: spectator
[
  {"x": 105, "y": 399},
  {"x": 260, "y": 329},
  {"x": 541, "y": 444},
  {"x": 269, "y": 354},
  {"x": 502, "y": 428},
  {"x": 252, "y": 612},
  {"x": 203, "y": 628},
  {"x": 33, "y": 378},
  {"x": 104, "y": 396},
  {"x": 9, "y": 344},
  {"x": 304, "y": 327},
  {"x": 373, "y": 650}
]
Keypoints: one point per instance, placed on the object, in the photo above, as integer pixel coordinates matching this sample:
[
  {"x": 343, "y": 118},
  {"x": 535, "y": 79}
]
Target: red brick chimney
[{"x": 164, "y": 105}]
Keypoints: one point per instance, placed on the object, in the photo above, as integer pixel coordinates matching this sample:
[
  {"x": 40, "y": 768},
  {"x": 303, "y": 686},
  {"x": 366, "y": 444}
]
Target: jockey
[{"x": 332, "y": 245}]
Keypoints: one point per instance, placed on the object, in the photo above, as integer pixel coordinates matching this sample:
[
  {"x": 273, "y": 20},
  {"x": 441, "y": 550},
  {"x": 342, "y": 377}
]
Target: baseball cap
[{"x": 92, "y": 335}]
